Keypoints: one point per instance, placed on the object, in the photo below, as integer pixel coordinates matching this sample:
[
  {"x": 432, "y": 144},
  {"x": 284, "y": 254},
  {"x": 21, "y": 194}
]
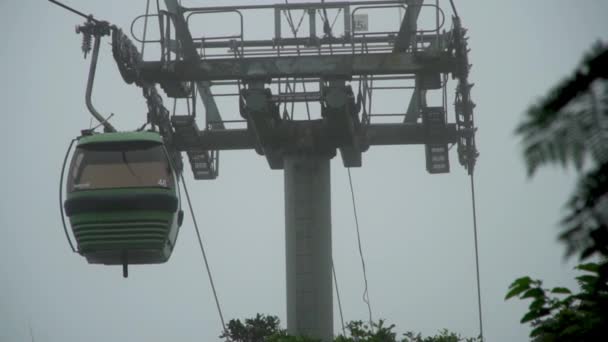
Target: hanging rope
[
  {"x": 333, "y": 270},
  {"x": 200, "y": 243},
  {"x": 366, "y": 289},
  {"x": 476, "y": 256}
]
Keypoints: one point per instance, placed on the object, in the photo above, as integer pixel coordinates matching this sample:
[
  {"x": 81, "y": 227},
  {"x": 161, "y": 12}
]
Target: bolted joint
[
  {"x": 308, "y": 138},
  {"x": 336, "y": 96},
  {"x": 256, "y": 104},
  {"x": 257, "y": 100},
  {"x": 95, "y": 28},
  {"x": 92, "y": 29}
]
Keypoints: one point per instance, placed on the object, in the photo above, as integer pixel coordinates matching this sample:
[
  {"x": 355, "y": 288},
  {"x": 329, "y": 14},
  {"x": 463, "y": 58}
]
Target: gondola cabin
[{"x": 122, "y": 199}]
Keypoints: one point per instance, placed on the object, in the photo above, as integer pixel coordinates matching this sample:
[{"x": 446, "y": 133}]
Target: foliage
[
  {"x": 585, "y": 225},
  {"x": 563, "y": 127},
  {"x": 568, "y": 127},
  {"x": 558, "y": 314},
  {"x": 264, "y": 328},
  {"x": 443, "y": 336},
  {"x": 360, "y": 332},
  {"x": 257, "y": 329}
]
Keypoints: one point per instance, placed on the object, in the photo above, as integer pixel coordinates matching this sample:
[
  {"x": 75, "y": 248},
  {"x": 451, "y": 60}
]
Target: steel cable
[
  {"x": 333, "y": 271},
  {"x": 200, "y": 243},
  {"x": 454, "y": 9},
  {"x": 476, "y": 256},
  {"x": 366, "y": 290},
  {"x": 474, "y": 206},
  {"x": 143, "y": 42}
]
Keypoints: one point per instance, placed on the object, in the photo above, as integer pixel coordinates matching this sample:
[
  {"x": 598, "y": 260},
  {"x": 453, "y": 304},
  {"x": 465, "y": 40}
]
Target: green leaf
[
  {"x": 588, "y": 252},
  {"x": 528, "y": 317},
  {"x": 589, "y": 267},
  {"x": 533, "y": 293},
  {"x": 523, "y": 281},
  {"x": 587, "y": 279},
  {"x": 514, "y": 292},
  {"x": 532, "y": 315},
  {"x": 518, "y": 286},
  {"x": 561, "y": 290},
  {"x": 537, "y": 304},
  {"x": 537, "y": 331}
]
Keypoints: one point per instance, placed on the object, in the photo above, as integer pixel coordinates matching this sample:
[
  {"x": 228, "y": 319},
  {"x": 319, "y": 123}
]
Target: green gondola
[{"x": 122, "y": 199}]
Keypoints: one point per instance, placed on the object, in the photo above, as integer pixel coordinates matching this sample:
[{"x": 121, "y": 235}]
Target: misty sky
[{"x": 416, "y": 228}]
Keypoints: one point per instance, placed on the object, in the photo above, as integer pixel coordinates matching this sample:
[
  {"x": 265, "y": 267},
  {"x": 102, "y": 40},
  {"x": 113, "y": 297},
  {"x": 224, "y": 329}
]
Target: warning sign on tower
[{"x": 361, "y": 23}]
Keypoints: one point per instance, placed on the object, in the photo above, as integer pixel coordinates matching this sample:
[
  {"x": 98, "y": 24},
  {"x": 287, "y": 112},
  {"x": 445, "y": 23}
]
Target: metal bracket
[
  {"x": 262, "y": 117},
  {"x": 338, "y": 108},
  {"x": 95, "y": 29}
]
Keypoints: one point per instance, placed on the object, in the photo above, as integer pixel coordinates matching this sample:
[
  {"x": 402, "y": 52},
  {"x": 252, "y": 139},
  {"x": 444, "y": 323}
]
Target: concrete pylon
[{"x": 308, "y": 246}]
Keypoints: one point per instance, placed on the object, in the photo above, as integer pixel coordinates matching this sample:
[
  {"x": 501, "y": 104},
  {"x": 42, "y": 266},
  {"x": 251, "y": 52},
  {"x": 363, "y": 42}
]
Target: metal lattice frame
[{"x": 326, "y": 63}]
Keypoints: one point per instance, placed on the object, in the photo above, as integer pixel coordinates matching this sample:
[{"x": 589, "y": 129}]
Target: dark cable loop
[
  {"x": 476, "y": 257},
  {"x": 366, "y": 290},
  {"x": 333, "y": 270},
  {"x": 65, "y": 228},
  {"x": 480, "y": 312},
  {"x": 200, "y": 243}
]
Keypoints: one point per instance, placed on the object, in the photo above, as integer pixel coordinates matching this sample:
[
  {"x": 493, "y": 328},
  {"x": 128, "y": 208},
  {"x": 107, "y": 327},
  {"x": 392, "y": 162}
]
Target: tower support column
[{"x": 308, "y": 245}]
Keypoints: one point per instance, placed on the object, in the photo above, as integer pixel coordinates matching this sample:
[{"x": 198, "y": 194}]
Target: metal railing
[{"x": 349, "y": 41}]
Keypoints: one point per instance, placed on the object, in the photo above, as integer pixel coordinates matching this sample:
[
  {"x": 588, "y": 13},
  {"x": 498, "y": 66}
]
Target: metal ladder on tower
[{"x": 202, "y": 162}]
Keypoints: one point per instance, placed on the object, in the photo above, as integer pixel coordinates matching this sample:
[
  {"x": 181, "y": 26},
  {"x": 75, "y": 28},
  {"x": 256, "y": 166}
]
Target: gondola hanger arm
[{"x": 92, "y": 28}]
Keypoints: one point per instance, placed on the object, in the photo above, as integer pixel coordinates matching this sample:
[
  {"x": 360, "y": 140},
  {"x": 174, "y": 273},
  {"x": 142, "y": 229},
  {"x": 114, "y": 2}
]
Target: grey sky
[{"x": 416, "y": 228}]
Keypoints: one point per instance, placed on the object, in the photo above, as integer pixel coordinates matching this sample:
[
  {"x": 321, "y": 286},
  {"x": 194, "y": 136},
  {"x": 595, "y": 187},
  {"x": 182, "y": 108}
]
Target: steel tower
[{"x": 304, "y": 94}]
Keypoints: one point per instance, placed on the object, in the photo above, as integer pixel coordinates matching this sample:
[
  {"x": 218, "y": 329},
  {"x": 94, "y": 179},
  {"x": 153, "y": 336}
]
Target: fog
[{"x": 416, "y": 228}]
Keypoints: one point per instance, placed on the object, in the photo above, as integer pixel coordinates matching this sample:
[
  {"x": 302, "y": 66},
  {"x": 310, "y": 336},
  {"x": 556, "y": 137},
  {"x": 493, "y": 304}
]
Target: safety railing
[{"x": 339, "y": 36}]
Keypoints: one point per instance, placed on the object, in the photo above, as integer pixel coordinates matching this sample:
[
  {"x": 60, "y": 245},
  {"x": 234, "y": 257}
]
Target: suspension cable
[
  {"x": 474, "y": 206},
  {"x": 476, "y": 256},
  {"x": 333, "y": 270},
  {"x": 200, "y": 243},
  {"x": 366, "y": 290},
  {"x": 454, "y": 9},
  {"x": 88, "y": 17},
  {"x": 143, "y": 41}
]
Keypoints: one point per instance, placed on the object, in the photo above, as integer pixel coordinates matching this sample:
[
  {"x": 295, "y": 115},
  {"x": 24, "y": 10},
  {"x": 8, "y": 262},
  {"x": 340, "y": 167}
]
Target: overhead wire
[
  {"x": 88, "y": 17},
  {"x": 333, "y": 271},
  {"x": 366, "y": 299},
  {"x": 143, "y": 42},
  {"x": 454, "y": 8},
  {"x": 475, "y": 235},
  {"x": 202, "y": 248},
  {"x": 476, "y": 256}
]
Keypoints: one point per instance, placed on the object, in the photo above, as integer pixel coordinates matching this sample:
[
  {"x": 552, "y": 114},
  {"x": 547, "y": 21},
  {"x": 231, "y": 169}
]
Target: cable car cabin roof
[{"x": 120, "y": 138}]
